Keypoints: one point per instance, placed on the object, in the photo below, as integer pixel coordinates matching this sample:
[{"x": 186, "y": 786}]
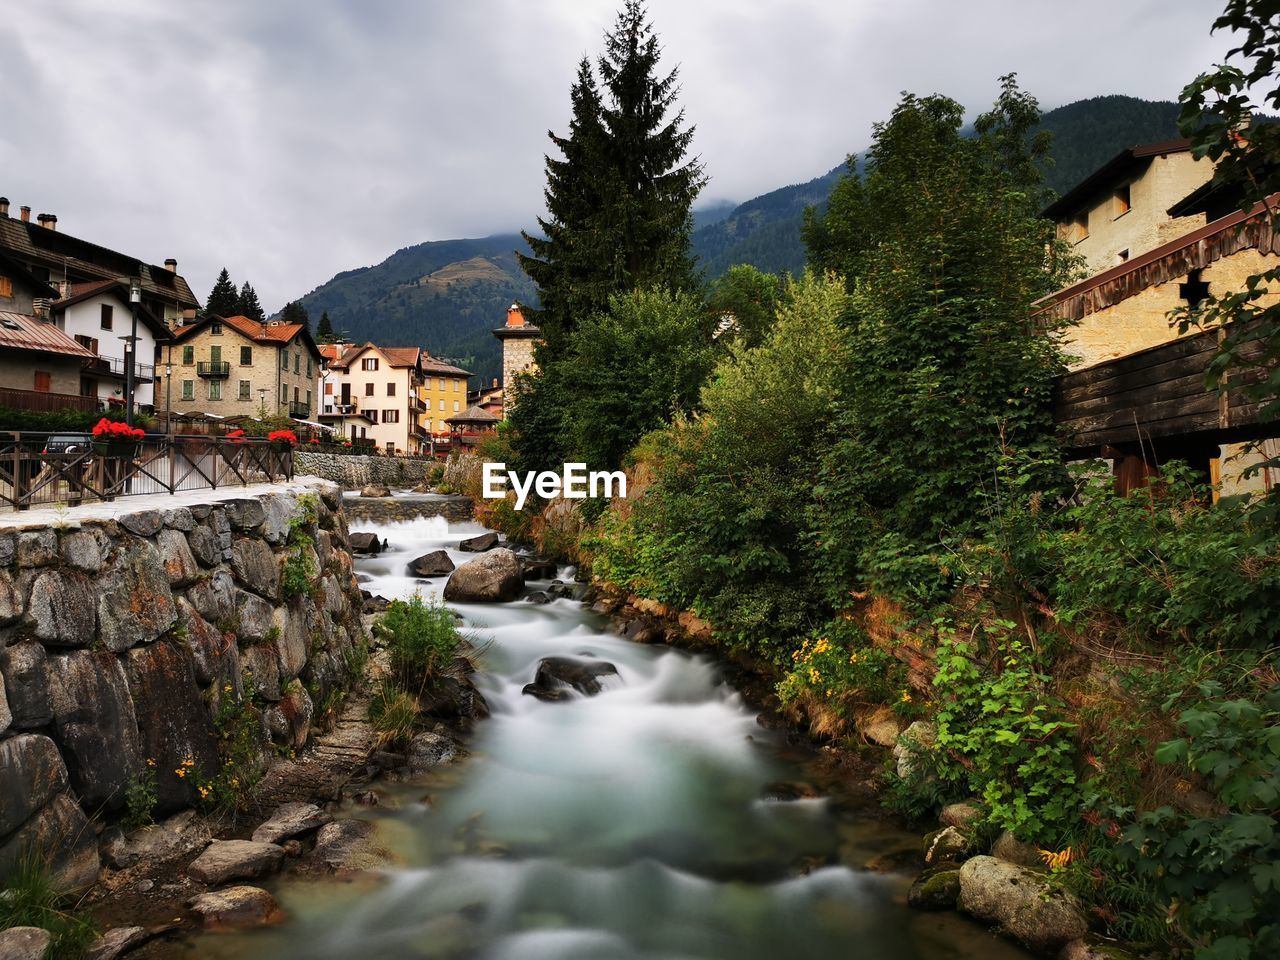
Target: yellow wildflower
[{"x": 1057, "y": 861}]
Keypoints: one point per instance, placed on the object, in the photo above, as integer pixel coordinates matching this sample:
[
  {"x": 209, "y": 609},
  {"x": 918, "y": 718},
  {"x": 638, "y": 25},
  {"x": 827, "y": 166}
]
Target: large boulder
[
  {"x": 935, "y": 890},
  {"x": 965, "y": 815},
  {"x": 288, "y": 722},
  {"x": 25, "y": 671},
  {"x": 433, "y": 564},
  {"x": 255, "y": 567},
  {"x": 62, "y": 609},
  {"x": 375, "y": 490},
  {"x": 493, "y": 577},
  {"x": 225, "y": 860},
  {"x": 430, "y": 750},
  {"x": 173, "y": 724},
  {"x": 96, "y": 722},
  {"x": 479, "y": 544},
  {"x": 180, "y": 835},
  {"x": 135, "y": 604},
  {"x": 1010, "y": 848},
  {"x": 240, "y": 906},
  {"x": 24, "y": 943},
  {"x": 1021, "y": 904},
  {"x": 64, "y": 840},
  {"x": 367, "y": 544},
  {"x": 31, "y": 774},
  {"x": 179, "y": 561},
  {"x": 291, "y": 820},
  {"x": 556, "y": 675},
  {"x": 536, "y": 568},
  {"x": 947, "y": 845}
]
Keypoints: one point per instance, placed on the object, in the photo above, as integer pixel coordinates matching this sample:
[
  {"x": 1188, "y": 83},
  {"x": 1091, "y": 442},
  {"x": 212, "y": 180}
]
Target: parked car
[{"x": 68, "y": 443}]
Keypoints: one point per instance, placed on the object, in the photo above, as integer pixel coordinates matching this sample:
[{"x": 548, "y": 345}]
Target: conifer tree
[
  {"x": 324, "y": 329},
  {"x": 247, "y": 304},
  {"x": 295, "y": 312},
  {"x": 222, "y": 298},
  {"x": 619, "y": 201}
]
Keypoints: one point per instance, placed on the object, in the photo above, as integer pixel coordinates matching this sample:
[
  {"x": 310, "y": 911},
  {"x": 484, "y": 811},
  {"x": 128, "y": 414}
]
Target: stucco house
[
  {"x": 376, "y": 389},
  {"x": 39, "y": 364}
]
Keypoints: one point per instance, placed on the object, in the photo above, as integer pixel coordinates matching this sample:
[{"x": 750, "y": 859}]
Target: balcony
[
  {"x": 339, "y": 411},
  {"x": 213, "y": 369},
  {"x": 299, "y": 410},
  {"x": 115, "y": 367},
  {"x": 42, "y": 402},
  {"x": 417, "y": 404}
]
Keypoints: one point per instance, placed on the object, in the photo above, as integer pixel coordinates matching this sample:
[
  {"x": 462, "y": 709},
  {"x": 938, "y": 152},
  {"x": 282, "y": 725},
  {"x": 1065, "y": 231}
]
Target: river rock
[
  {"x": 539, "y": 597},
  {"x": 555, "y": 674},
  {"x": 372, "y": 603},
  {"x": 935, "y": 890},
  {"x": 179, "y": 835},
  {"x": 24, "y": 943},
  {"x": 349, "y": 845},
  {"x": 433, "y": 564},
  {"x": 240, "y": 906},
  {"x": 31, "y": 774},
  {"x": 1020, "y": 903},
  {"x": 961, "y": 815},
  {"x": 881, "y": 727},
  {"x": 366, "y": 543},
  {"x": 485, "y": 541},
  {"x": 430, "y": 750},
  {"x": 493, "y": 577},
  {"x": 945, "y": 846},
  {"x": 918, "y": 738},
  {"x": 25, "y": 669},
  {"x": 97, "y": 725},
  {"x": 117, "y": 942},
  {"x": 535, "y": 568},
  {"x": 291, "y": 820},
  {"x": 375, "y": 490},
  {"x": 1009, "y": 848},
  {"x": 225, "y": 860}
]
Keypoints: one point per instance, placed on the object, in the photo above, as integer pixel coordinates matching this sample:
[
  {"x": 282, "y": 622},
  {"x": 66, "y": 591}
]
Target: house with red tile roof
[
  {"x": 372, "y": 392},
  {"x": 235, "y": 366}
]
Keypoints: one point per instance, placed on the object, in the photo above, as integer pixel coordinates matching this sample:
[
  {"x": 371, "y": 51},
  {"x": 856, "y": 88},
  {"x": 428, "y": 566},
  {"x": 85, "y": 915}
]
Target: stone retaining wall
[
  {"x": 124, "y": 641},
  {"x": 355, "y": 471},
  {"x": 393, "y": 509}
]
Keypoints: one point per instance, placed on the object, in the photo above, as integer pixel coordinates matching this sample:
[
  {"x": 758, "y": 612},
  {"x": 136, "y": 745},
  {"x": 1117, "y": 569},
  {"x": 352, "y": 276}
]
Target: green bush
[
  {"x": 840, "y": 666},
  {"x": 31, "y": 899},
  {"x": 422, "y": 640}
]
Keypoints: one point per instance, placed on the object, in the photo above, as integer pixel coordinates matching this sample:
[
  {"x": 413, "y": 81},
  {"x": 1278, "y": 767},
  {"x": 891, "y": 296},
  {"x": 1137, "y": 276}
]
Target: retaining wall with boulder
[
  {"x": 354, "y": 471},
  {"x": 125, "y": 641}
]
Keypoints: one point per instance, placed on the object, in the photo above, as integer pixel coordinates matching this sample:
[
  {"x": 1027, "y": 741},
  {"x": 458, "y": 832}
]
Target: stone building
[
  {"x": 1121, "y": 211},
  {"x": 519, "y": 338},
  {"x": 234, "y": 366},
  {"x": 39, "y": 364}
]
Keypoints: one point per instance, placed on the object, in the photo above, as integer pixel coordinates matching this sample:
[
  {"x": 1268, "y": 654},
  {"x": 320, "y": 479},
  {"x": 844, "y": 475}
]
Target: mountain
[
  {"x": 445, "y": 295},
  {"x": 449, "y": 295},
  {"x": 765, "y": 232}
]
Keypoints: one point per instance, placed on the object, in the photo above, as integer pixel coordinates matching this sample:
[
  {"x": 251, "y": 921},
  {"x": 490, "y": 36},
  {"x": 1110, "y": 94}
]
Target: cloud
[{"x": 293, "y": 139}]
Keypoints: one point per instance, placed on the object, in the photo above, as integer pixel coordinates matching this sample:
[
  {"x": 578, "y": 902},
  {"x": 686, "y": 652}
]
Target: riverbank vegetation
[{"x": 853, "y": 477}]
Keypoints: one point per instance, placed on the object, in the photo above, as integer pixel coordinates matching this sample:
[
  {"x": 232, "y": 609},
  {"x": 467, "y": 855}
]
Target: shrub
[
  {"x": 394, "y": 714},
  {"x": 422, "y": 640},
  {"x": 840, "y": 667}
]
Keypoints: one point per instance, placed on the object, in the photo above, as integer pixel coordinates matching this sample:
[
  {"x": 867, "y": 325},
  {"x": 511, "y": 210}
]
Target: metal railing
[
  {"x": 299, "y": 410},
  {"x": 51, "y": 468},
  {"x": 117, "y": 367},
  {"x": 213, "y": 368}
]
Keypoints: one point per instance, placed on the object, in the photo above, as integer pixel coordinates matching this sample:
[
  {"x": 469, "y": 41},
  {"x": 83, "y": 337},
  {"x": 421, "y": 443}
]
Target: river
[{"x": 657, "y": 819}]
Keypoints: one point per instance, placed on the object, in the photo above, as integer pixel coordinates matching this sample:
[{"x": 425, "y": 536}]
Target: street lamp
[
  {"x": 135, "y": 298},
  {"x": 168, "y": 392}
]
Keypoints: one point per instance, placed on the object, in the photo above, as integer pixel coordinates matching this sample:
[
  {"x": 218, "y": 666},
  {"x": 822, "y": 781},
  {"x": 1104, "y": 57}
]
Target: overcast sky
[{"x": 291, "y": 139}]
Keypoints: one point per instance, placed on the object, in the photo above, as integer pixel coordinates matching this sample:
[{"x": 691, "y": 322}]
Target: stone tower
[{"x": 518, "y": 337}]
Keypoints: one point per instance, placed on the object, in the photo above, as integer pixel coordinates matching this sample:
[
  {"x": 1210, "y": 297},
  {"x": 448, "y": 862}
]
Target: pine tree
[
  {"x": 619, "y": 201},
  {"x": 295, "y": 312},
  {"x": 222, "y": 300},
  {"x": 324, "y": 329},
  {"x": 247, "y": 304}
]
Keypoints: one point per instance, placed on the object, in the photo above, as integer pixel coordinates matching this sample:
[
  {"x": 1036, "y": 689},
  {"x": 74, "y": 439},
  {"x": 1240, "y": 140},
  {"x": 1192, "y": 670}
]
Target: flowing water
[{"x": 657, "y": 819}]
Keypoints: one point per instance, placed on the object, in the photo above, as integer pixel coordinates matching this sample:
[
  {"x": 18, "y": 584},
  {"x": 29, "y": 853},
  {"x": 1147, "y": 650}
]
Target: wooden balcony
[
  {"x": 213, "y": 369},
  {"x": 41, "y": 402}
]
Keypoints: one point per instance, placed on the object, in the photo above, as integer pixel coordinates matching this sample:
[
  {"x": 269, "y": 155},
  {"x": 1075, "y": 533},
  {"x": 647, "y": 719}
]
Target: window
[
  {"x": 441, "y": 404},
  {"x": 426, "y": 425},
  {"x": 1123, "y": 201},
  {"x": 216, "y": 328},
  {"x": 369, "y": 363},
  {"x": 391, "y": 389},
  {"x": 284, "y": 393},
  {"x": 368, "y": 389},
  {"x": 309, "y": 373},
  {"x": 246, "y": 356},
  {"x": 188, "y": 356},
  {"x": 328, "y": 389},
  {"x": 1194, "y": 291},
  {"x": 456, "y": 408},
  {"x": 215, "y": 389},
  {"x": 106, "y": 316},
  {"x": 1123, "y": 256},
  {"x": 295, "y": 394},
  {"x": 390, "y": 416},
  {"x": 284, "y": 360},
  {"x": 43, "y": 381},
  {"x": 215, "y": 355},
  {"x": 297, "y": 363},
  {"x": 89, "y": 343},
  {"x": 6, "y": 287},
  {"x": 244, "y": 390},
  {"x": 188, "y": 389},
  {"x": 440, "y": 382},
  {"x": 1078, "y": 229},
  {"x": 308, "y": 399}
]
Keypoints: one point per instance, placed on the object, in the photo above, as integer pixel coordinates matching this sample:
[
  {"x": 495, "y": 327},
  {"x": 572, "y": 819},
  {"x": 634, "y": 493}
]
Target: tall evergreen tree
[
  {"x": 619, "y": 201},
  {"x": 223, "y": 299},
  {"x": 295, "y": 312},
  {"x": 324, "y": 329},
  {"x": 247, "y": 304}
]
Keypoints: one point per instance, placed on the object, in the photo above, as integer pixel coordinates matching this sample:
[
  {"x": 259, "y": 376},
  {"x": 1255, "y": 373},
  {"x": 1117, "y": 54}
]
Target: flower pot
[{"x": 123, "y": 449}]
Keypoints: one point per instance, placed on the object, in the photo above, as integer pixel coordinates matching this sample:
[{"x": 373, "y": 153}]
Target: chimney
[
  {"x": 51, "y": 221},
  {"x": 4, "y": 206},
  {"x": 171, "y": 265},
  {"x": 26, "y": 214},
  {"x": 514, "y": 317}
]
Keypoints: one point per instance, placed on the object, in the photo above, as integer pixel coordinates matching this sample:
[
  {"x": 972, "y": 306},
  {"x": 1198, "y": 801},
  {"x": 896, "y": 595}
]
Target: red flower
[
  {"x": 315, "y": 440},
  {"x": 106, "y": 429},
  {"x": 286, "y": 436}
]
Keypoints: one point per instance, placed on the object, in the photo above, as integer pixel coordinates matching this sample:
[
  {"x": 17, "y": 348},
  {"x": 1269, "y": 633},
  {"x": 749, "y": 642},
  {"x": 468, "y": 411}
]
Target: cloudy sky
[{"x": 291, "y": 139}]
